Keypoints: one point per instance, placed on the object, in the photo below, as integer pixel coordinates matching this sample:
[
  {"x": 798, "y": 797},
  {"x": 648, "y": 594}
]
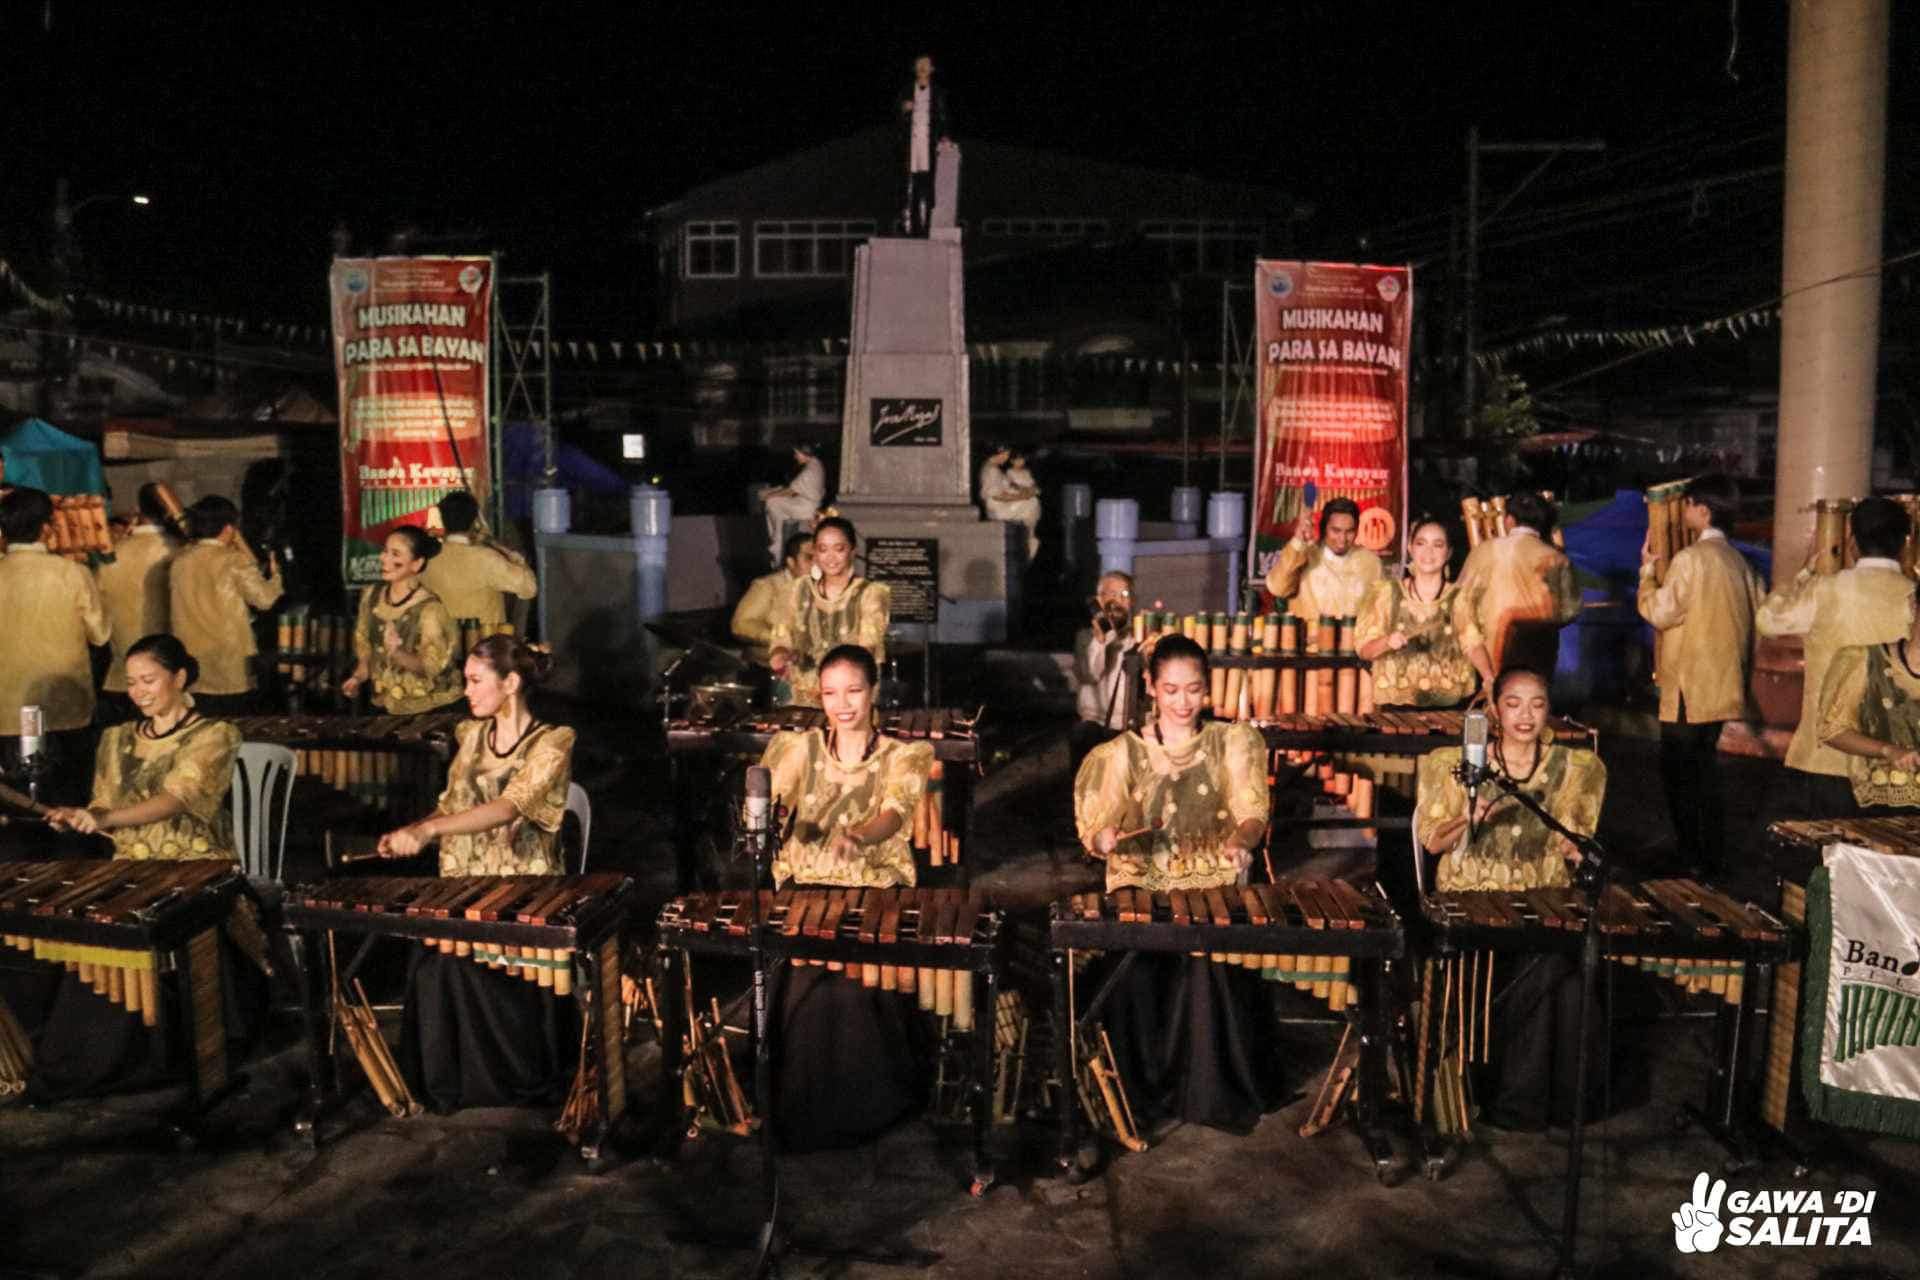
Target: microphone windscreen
[{"x": 759, "y": 782}]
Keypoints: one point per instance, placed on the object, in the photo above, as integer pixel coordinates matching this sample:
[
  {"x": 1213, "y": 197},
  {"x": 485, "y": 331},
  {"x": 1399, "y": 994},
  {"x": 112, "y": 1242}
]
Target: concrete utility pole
[
  {"x": 1830, "y": 276},
  {"x": 1470, "y": 277}
]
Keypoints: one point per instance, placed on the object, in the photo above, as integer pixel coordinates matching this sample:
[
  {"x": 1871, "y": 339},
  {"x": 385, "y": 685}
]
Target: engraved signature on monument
[{"x": 916, "y": 421}]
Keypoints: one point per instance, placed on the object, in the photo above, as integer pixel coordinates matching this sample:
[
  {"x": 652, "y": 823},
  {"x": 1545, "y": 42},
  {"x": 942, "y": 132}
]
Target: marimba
[
  {"x": 940, "y": 828},
  {"x": 121, "y": 924},
  {"x": 393, "y": 765},
  {"x": 1687, "y": 932},
  {"x": 1321, "y": 934},
  {"x": 1803, "y": 839},
  {"x": 561, "y": 932},
  {"x": 1401, "y": 732},
  {"x": 938, "y": 947}
]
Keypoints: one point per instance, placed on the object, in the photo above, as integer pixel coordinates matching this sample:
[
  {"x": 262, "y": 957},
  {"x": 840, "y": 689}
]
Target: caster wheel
[{"x": 981, "y": 1185}]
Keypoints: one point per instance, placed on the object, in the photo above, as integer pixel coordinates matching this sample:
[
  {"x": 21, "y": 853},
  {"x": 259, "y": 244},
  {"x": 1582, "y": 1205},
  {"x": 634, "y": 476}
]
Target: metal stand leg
[
  {"x": 321, "y": 1084},
  {"x": 982, "y": 1093},
  {"x": 1373, "y": 1067},
  {"x": 1064, "y": 1066}
]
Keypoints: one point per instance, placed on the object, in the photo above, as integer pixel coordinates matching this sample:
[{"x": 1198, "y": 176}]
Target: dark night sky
[{"x": 260, "y": 127}]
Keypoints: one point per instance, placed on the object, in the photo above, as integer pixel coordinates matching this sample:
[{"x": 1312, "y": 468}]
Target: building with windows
[{"x": 768, "y": 246}]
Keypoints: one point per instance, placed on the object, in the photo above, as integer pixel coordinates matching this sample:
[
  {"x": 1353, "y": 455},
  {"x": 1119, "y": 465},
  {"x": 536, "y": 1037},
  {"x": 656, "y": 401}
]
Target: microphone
[
  {"x": 1473, "y": 760},
  {"x": 759, "y": 798}
]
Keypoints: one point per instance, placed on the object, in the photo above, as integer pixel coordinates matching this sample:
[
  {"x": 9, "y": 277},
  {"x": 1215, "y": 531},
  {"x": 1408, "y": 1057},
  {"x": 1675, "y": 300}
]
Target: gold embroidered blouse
[
  {"x": 426, "y": 631},
  {"x": 827, "y": 797},
  {"x": 1870, "y": 691},
  {"x": 1512, "y": 849},
  {"x": 193, "y": 764},
  {"x": 812, "y": 624},
  {"x": 1185, "y": 801},
  {"x": 1433, "y": 670},
  {"x": 533, "y": 777}
]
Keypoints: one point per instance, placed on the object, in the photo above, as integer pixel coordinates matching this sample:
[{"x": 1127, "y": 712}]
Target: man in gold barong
[
  {"x": 1328, "y": 578},
  {"x": 1516, "y": 592},
  {"x": 1868, "y": 604}
]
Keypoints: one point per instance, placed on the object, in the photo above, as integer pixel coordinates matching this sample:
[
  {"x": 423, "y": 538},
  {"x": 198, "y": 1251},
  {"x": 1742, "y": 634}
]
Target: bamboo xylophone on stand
[
  {"x": 1803, "y": 838},
  {"x": 393, "y": 765},
  {"x": 120, "y": 925},
  {"x": 939, "y": 947},
  {"x": 561, "y": 932},
  {"x": 1321, "y": 934},
  {"x": 1687, "y": 932}
]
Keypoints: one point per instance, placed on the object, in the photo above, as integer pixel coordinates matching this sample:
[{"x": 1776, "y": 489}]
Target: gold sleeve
[
  {"x": 200, "y": 775},
  {"x": 1584, "y": 791},
  {"x": 1842, "y": 693},
  {"x": 106, "y": 768},
  {"x": 437, "y": 638},
  {"x": 1376, "y": 614},
  {"x": 363, "y": 626},
  {"x": 1664, "y": 605},
  {"x": 753, "y": 617},
  {"x": 1283, "y": 580},
  {"x": 1468, "y": 599},
  {"x": 508, "y": 572},
  {"x": 538, "y": 791},
  {"x": 470, "y": 735},
  {"x": 1102, "y": 793},
  {"x": 258, "y": 589},
  {"x": 786, "y": 758},
  {"x": 876, "y": 607},
  {"x": 906, "y": 780},
  {"x": 1438, "y": 798},
  {"x": 1245, "y": 752},
  {"x": 784, "y": 617},
  {"x": 93, "y": 611}
]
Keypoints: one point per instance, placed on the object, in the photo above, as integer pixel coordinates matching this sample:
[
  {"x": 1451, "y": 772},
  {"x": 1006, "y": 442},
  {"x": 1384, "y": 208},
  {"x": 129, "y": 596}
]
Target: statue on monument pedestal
[
  {"x": 927, "y": 130},
  {"x": 799, "y": 499}
]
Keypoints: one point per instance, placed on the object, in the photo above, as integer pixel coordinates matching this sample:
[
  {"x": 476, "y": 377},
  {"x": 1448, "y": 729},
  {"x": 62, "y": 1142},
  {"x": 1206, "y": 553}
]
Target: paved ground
[{"x": 85, "y": 1190}]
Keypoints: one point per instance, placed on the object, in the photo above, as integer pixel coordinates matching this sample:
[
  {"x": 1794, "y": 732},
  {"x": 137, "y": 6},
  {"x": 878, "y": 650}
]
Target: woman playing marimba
[
  {"x": 832, "y": 607},
  {"x": 160, "y": 786},
  {"x": 845, "y": 1066},
  {"x": 1508, "y": 847},
  {"x": 1181, "y": 804},
  {"x": 471, "y": 1037},
  {"x": 1406, "y": 629},
  {"x": 404, "y": 639}
]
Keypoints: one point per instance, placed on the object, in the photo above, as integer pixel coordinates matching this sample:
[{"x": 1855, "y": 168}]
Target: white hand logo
[{"x": 1696, "y": 1224}]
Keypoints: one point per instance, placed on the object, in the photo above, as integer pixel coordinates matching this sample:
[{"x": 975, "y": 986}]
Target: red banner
[
  {"x": 1332, "y": 400},
  {"x": 410, "y": 350}
]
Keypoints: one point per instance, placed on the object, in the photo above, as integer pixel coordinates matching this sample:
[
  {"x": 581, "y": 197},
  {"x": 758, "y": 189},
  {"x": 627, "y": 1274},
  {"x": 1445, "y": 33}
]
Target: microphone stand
[
  {"x": 759, "y": 848},
  {"x": 1591, "y": 878}
]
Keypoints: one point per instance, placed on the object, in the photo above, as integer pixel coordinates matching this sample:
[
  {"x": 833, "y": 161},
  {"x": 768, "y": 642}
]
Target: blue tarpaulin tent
[
  {"x": 42, "y": 456},
  {"x": 1606, "y": 544},
  {"x": 524, "y": 461}
]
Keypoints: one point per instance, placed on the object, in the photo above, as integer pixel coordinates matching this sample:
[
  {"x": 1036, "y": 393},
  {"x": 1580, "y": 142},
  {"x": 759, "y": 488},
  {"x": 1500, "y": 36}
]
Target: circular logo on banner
[
  {"x": 470, "y": 277},
  {"x": 1280, "y": 284},
  {"x": 1376, "y": 529},
  {"x": 1389, "y": 287},
  {"x": 356, "y": 281}
]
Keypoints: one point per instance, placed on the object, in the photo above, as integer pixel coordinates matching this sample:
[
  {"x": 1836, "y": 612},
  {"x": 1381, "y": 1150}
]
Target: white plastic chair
[
  {"x": 581, "y": 808},
  {"x": 262, "y": 783}
]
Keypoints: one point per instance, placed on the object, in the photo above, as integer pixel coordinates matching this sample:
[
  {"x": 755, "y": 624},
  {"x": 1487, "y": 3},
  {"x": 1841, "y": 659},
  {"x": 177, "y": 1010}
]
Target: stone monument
[{"x": 906, "y": 462}]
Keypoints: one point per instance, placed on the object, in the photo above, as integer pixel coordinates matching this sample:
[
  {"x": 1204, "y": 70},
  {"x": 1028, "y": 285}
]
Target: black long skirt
[
  {"x": 472, "y": 1037},
  {"x": 847, "y": 1059},
  {"x": 1191, "y": 1039},
  {"x": 84, "y": 1045},
  {"x": 1536, "y": 1058}
]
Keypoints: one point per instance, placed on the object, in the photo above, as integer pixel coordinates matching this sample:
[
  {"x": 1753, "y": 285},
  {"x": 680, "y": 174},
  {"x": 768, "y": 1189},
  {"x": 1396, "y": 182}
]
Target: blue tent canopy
[
  {"x": 523, "y": 459},
  {"x": 40, "y": 455},
  {"x": 1606, "y": 544}
]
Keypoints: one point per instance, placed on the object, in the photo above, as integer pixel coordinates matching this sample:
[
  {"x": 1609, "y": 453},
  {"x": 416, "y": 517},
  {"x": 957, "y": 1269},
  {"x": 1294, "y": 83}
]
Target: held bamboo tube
[{"x": 1831, "y": 550}]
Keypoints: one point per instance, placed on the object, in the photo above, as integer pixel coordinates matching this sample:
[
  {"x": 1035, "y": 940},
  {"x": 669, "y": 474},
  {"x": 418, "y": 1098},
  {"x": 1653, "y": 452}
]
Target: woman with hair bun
[
  {"x": 404, "y": 638},
  {"x": 471, "y": 1037},
  {"x": 160, "y": 783},
  {"x": 159, "y": 789},
  {"x": 1181, "y": 804}
]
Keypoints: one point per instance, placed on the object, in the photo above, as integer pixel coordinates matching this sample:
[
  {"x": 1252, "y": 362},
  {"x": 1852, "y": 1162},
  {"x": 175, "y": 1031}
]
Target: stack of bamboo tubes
[
  {"x": 1667, "y": 533},
  {"x": 708, "y": 1084},
  {"x": 79, "y": 526},
  {"x": 370, "y": 1050},
  {"x": 1832, "y": 549},
  {"x": 324, "y": 643},
  {"x": 930, "y": 830},
  {"x": 1099, "y": 1075}
]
